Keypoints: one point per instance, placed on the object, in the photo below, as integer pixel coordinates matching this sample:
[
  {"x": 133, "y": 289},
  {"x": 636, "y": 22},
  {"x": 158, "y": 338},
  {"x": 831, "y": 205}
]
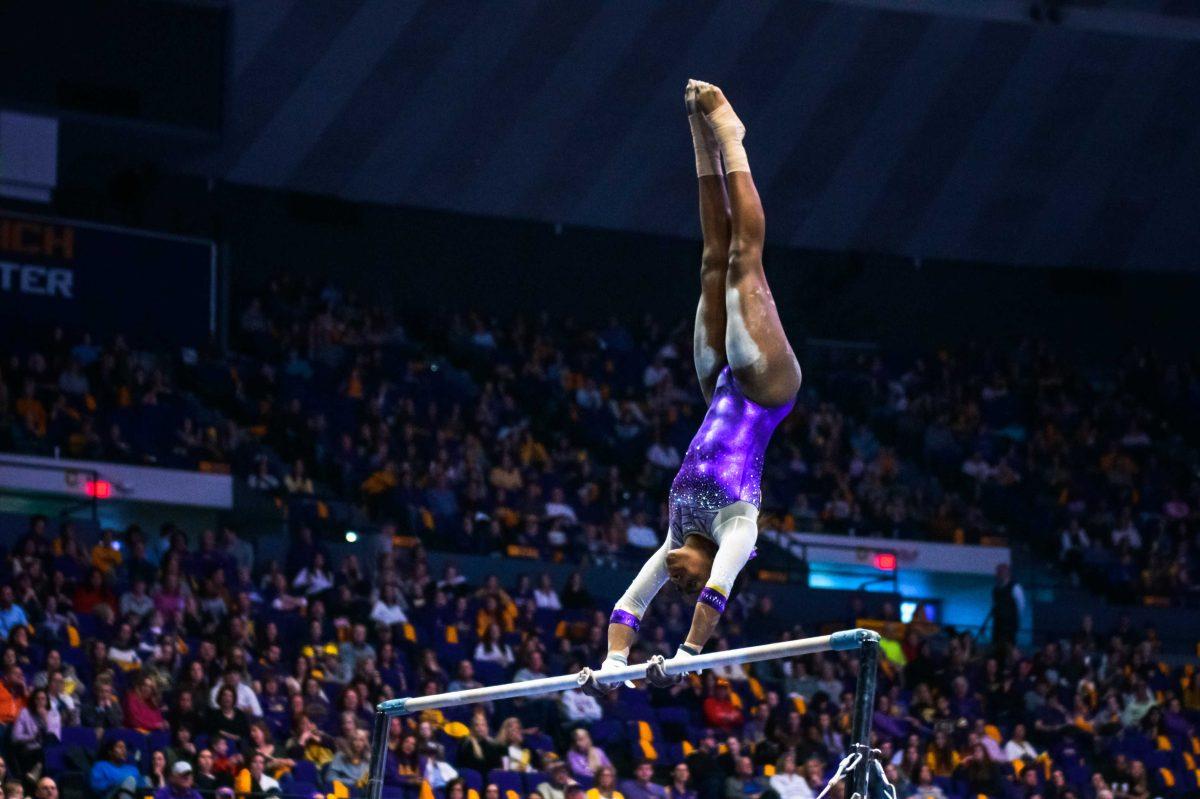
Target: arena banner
[
  {"x": 909, "y": 555},
  {"x": 156, "y": 288},
  {"x": 114, "y": 482}
]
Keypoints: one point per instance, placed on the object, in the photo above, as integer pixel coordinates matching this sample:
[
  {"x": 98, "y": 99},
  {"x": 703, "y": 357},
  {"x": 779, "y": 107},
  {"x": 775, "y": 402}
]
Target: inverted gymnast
[{"x": 749, "y": 376}]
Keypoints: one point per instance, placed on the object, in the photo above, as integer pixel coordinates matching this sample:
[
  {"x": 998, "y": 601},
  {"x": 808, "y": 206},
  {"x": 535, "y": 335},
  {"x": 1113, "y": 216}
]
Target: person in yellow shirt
[
  {"x": 606, "y": 785},
  {"x": 106, "y": 555}
]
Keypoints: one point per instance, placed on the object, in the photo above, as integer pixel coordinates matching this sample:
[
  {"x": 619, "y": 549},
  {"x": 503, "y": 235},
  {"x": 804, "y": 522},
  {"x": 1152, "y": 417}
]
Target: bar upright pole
[
  {"x": 379, "y": 742},
  {"x": 864, "y": 707}
]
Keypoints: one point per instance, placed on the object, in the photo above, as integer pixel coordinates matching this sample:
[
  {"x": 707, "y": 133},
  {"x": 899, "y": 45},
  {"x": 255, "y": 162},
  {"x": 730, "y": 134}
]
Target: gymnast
[{"x": 749, "y": 376}]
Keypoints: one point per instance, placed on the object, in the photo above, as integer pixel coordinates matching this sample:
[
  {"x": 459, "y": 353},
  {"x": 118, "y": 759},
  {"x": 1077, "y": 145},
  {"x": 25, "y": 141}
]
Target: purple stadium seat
[
  {"x": 472, "y": 778},
  {"x": 507, "y": 781}
]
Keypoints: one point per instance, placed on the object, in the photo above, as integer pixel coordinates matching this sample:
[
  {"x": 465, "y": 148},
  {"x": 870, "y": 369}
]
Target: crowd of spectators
[
  {"x": 561, "y": 438},
  {"x": 181, "y": 666}
]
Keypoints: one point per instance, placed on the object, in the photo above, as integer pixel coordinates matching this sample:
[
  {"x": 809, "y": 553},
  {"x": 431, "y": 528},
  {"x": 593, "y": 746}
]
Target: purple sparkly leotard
[{"x": 724, "y": 462}]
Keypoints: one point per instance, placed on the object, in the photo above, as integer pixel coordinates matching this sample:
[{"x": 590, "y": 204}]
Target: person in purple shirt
[
  {"x": 641, "y": 787},
  {"x": 179, "y": 783},
  {"x": 749, "y": 376},
  {"x": 681, "y": 783},
  {"x": 886, "y": 723}
]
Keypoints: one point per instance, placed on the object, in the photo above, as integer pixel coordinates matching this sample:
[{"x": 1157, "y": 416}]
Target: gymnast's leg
[
  {"x": 709, "y": 336},
  {"x": 755, "y": 343}
]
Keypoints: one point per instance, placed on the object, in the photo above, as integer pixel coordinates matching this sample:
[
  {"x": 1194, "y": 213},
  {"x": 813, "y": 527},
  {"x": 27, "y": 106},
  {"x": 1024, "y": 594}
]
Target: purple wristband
[
  {"x": 714, "y": 599},
  {"x": 624, "y": 617}
]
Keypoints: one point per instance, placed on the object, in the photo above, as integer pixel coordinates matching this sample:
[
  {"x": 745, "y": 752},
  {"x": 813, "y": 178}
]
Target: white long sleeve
[{"x": 647, "y": 583}]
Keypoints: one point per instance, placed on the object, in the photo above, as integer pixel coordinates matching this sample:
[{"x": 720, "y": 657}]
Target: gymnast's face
[{"x": 688, "y": 568}]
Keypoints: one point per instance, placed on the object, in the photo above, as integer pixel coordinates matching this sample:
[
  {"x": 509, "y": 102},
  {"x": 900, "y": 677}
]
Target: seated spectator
[
  {"x": 925, "y": 788},
  {"x": 558, "y": 778},
  {"x": 143, "y": 710},
  {"x": 102, "y": 710},
  {"x": 544, "y": 596},
  {"x": 261, "y": 742},
  {"x": 478, "y": 751},
  {"x": 1018, "y": 747},
  {"x": 180, "y": 783},
  {"x": 576, "y": 707},
  {"x": 641, "y": 535},
  {"x": 349, "y": 765},
  {"x": 787, "y": 782},
  {"x": 389, "y": 608},
  {"x": 297, "y": 482},
  {"x": 642, "y": 786},
  {"x": 533, "y": 670},
  {"x": 719, "y": 710},
  {"x": 12, "y": 694},
  {"x": 743, "y": 783},
  {"x": 680, "y": 785},
  {"x": 112, "y": 777},
  {"x": 606, "y": 785},
  {"x": 436, "y": 772},
  {"x": 38, "y": 725},
  {"x": 492, "y": 649},
  {"x": 253, "y": 781},
  {"x": 515, "y": 756},
  {"x": 585, "y": 759},
  {"x": 226, "y": 721}
]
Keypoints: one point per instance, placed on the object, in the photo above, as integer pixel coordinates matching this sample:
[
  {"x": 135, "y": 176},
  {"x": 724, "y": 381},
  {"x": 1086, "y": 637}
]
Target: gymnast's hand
[
  {"x": 591, "y": 687},
  {"x": 657, "y": 675}
]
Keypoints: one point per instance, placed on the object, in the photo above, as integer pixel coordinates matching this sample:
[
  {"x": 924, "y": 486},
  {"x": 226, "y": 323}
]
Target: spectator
[
  {"x": 743, "y": 782},
  {"x": 925, "y": 787},
  {"x": 585, "y": 758},
  {"x": 142, "y": 706},
  {"x": 606, "y": 785},
  {"x": 514, "y": 754},
  {"x": 12, "y": 694},
  {"x": 641, "y": 786},
  {"x": 679, "y": 787},
  {"x": 180, "y": 783},
  {"x": 349, "y": 765},
  {"x": 253, "y": 781},
  {"x": 787, "y": 782},
  {"x": 226, "y": 720},
  {"x": 113, "y": 777},
  {"x": 102, "y": 710},
  {"x": 1008, "y": 603},
  {"x": 719, "y": 710},
  {"x": 544, "y": 596},
  {"x": 558, "y": 780},
  {"x": 38, "y": 725},
  {"x": 576, "y": 707},
  {"x": 492, "y": 649},
  {"x": 12, "y": 615}
]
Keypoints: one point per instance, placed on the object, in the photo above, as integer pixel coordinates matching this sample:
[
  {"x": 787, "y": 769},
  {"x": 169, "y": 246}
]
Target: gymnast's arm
[
  {"x": 627, "y": 615},
  {"x": 736, "y": 540}
]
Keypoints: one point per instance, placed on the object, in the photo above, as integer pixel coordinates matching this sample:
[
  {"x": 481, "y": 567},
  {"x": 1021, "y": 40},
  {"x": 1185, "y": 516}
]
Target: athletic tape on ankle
[
  {"x": 729, "y": 130},
  {"x": 625, "y": 617},
  {"x": 714, "y": 599},
  {"x": 708, "y": 152}
]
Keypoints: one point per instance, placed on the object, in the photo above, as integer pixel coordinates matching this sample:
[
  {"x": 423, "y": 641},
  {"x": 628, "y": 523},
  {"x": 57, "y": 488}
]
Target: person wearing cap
[
  {"x": 719, "y": 709},
  {"x": 560, "y": 780},
  {"x": 180, "y": 783}
]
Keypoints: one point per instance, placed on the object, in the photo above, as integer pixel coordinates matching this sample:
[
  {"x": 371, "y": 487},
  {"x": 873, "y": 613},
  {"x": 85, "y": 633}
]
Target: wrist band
[
  {"x": 691, "y": 650},
  {"x": 714, "y": 599},
  {"x": 625, "y": 617}
]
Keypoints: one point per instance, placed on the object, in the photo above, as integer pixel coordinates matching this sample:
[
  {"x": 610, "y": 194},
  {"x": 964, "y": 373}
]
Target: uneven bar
[{"x": 839, "y": 641}]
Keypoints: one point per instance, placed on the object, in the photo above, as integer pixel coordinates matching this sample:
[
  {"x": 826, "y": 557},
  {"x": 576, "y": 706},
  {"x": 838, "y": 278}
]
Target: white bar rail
[{"x": 839, "y": 641}]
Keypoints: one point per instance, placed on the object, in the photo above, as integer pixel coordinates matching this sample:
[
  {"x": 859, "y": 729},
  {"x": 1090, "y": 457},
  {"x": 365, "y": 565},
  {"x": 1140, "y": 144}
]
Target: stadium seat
[
  {"x": 507, "y": 781},
  {"x": 83, "y": 737}
]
